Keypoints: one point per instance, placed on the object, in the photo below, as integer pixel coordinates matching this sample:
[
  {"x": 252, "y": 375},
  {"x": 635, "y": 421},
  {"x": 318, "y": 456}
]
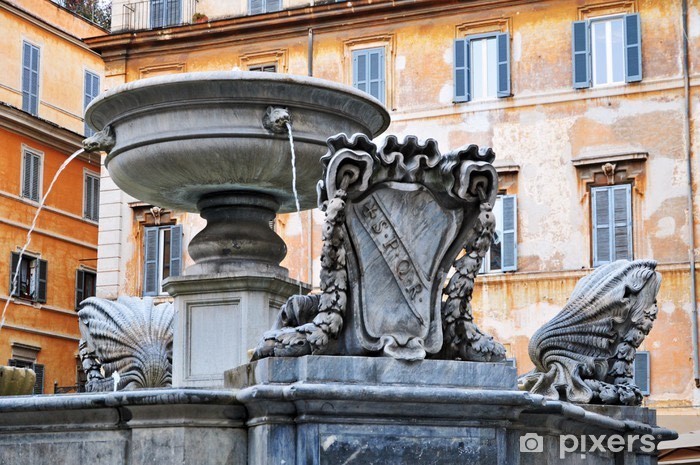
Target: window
[
  {"x": 163, "y": 257},
  {"x": 607, "y": 50},
  {"x": 38, "y": 369},
  {"x": 368, "y": 72},
  {"x": 31, "y": 175},
  {"x": 165, "y": 13},
  {"x": 30, "y": 78},
  {"x": 92, "y": 90},
  {"x": 641, "y": 373},
  {"x": 482, "y": 67},
  {"x": 503, "y": 253},
  {"x": 91, "y": 197},
  {"x": 85, "y": 285},
  {"x": 30, "y": 282},
  {"x": 611, "y": 223},
  {"x": 256, "y": 7},
  {"x": 265, "y": 68}
]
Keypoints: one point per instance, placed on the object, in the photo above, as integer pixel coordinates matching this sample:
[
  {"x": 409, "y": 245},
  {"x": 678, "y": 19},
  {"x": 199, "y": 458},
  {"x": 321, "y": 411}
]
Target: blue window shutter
[
  {"x": 256, "y": 7},
  {"x": 600, "y": 212},
  {"x": 150, "y": 279},
  {"x": 173, "y": 14},
  {"x": 41, "y": 282},
  {"x": 375, "y": 73},
  {"x": 509, "y": 242},
  {"x": 30, "y": 78},
  {"x": 157, "y": 13},
  {"x": 461, "y": 71},
  {"x": 79, "y": 287},
  {"x": 360, "y": 70},
  {"x": 622, "y": 226},
  {"x": 175, "y": 250},
  {"x": 581, "y": 54},
  {"x": 27, "y": 179},
  {"x": 642, "y": 378},
  {"x": 273, "y": 5},
  {"x": 633, "y": 48},
  {"x": 92, "y": 198},
  {"x": 32, "y": 168},
  {"x": 503, "y": 65},
  {"x": 92, "y": 90}
]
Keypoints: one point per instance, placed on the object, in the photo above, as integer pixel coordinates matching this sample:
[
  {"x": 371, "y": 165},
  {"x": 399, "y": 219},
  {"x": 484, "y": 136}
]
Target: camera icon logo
[{"x": 531, "y": 442}]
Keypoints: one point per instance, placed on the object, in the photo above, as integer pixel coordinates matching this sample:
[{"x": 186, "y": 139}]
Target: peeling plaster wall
[{"x": 543, "y": 129}]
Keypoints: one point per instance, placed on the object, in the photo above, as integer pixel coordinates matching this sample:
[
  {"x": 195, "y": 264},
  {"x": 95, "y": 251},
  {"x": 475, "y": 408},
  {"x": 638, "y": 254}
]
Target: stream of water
[
  {"x": 28, "y": 241},
  {"x": 296, "y": 201}
]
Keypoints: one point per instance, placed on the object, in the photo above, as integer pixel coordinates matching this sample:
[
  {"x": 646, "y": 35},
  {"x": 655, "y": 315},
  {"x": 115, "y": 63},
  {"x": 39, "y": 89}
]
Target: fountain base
[{"x": 220, "y": 317}]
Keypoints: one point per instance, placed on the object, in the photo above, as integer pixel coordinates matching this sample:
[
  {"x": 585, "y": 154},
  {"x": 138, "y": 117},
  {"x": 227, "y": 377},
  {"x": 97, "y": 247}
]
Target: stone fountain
[{"x": 386, "y": 365}]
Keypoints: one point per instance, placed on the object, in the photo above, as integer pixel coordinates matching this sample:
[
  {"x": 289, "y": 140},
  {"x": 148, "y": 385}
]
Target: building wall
[
  {"x": 551, "y": 140},
  {"x": 62, "y": 237}
]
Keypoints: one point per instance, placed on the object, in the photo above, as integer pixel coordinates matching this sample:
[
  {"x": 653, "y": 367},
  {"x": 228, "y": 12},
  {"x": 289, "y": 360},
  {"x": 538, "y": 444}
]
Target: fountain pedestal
[{"x": 220, "y": 316}]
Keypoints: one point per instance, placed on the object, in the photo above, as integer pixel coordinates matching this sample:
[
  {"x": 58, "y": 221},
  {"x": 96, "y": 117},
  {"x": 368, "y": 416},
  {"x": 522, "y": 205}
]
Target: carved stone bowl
[
  {"x": 181, "y": 137},
  {"x": 218, "y": 143},
  {"x": 16, "y": 381}
]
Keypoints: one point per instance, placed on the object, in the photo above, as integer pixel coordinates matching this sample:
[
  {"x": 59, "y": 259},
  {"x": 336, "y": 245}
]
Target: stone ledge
[{"x": 312, "y": 369}]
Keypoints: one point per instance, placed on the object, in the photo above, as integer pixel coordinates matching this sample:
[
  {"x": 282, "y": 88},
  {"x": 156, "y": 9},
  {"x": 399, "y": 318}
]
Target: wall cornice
[{"x": 285, "y": 23}]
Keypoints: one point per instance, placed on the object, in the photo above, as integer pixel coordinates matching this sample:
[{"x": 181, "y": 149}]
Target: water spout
[
  {"x": 294, "y": 191},
  {"x": 28, "y": 241}
]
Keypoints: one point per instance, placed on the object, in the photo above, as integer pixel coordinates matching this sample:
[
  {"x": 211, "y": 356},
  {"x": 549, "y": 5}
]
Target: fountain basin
[{"x": 181, "y": 138}]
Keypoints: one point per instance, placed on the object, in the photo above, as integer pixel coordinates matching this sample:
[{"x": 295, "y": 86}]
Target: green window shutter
[
  {"x": 79, "y": 287},
  {"x": 39, "y": 385},
  {"x": 581, "y": 54},
  {"x": 509, "y": 241},
  {"x": 461, "y": 71},
  {"x": 92, "y": 198},
  {"x": 503, "y": 88},
  {"x": 621, "y": 214},
  {"x": 36, "y": 177},
  {"x": 41, "y": 282},
  {"x": 14, "y": 281},
  {"x": 641, "y": 369},
  {"x": 175, "y": 250},
  {"x": 633, "y": 48},
  {"x": 602, "y": 240},
  {"x": 27, "y": 180},
  {"x": 150, "y": 279}
]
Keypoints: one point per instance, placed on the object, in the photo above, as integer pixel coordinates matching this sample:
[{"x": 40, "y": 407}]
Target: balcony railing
[{"x": 154, "y": 14}]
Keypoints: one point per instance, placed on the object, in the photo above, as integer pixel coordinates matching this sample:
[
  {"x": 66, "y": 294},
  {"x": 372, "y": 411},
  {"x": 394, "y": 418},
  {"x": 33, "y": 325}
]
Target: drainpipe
[
  {"x": 691, "y": 211},
  {"x": 311, "y": 52}
]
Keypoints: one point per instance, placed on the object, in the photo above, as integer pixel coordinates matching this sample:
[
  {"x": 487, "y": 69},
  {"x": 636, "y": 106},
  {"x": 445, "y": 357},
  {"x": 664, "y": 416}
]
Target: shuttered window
[
  {"x": 85, "y": 285},
  {"x": 91, "y": 199},
  {"x": 503, "y": 253},
  {"x": 163, "y": 257},
  {"x": 91, "y": 90},
  {"x": 256, "y": 7},
  {"x": 369, "y": 72},
  {"x": 264, "y": 68},
  {"x": 28, "y": 277},
  {"x": 611, "y": 223},
  {"x": 607, "y": 51},
  {"x": 482, "y": 67},
  {"x": 30, "y": 78},
  {"x": 31, "y": 175},
  {"x": 165, "y": 13},
  {"x": 641, "y": 370},
  {"x": 38, "y": 369}
]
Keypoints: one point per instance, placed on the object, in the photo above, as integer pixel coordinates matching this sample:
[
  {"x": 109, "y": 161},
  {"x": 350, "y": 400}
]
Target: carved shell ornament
[
  {"x": 585, "y": 353},
  {"x": 131, "y": 337},
  {"x": 376, "y": 202}
]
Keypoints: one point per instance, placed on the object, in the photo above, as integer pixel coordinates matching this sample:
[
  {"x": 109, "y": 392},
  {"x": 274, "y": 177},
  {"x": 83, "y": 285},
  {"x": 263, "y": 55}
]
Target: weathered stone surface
[
  {"x": 372, "y": 371},
  {"x": 585, "y": 353},
  {"x": 219, "y": 317},
  {"x": 397, "y": 216}
]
